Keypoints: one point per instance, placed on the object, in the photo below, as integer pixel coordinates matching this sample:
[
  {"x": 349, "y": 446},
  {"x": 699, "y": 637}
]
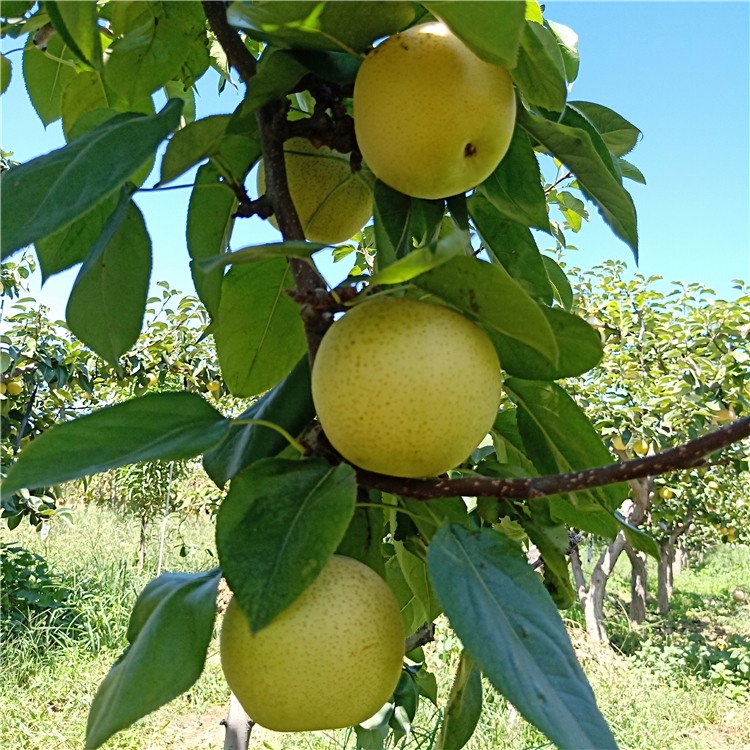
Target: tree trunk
[
  {"x": 592, "y": 600},
  {"x": 238, "y": 725},
  {"x": 665, "y": 578},
  {"x": 142, "y": 547},
  {"x": 638, "y": 585},
  {"x": 679, "y": 560}
]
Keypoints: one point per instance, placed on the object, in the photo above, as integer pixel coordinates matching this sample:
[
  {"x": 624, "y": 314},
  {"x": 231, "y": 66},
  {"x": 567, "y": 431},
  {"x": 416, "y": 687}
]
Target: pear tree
[{"x": 292, "y": 498}]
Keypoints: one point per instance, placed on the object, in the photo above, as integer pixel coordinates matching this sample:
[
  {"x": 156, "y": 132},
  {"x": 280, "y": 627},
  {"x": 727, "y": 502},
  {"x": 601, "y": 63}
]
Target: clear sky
[{"x": 679, "y": 71}]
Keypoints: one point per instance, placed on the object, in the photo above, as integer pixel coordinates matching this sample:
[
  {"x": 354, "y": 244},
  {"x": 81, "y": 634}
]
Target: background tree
[{"x": 292, "y": 499}]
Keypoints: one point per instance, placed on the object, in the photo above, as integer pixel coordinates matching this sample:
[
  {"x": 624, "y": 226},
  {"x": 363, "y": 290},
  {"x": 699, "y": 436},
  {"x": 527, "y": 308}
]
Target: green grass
[{"x": 51, "y": 668}]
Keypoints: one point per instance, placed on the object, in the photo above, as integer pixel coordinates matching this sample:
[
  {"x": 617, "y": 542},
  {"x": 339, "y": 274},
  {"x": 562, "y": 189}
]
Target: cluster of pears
[
  {"x": 401, "y": 387},
  {"x": 431, "y": 119}
]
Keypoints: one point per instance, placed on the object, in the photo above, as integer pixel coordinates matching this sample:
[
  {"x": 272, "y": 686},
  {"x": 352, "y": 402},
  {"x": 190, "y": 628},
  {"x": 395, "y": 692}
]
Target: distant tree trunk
[
  {"x": 592, "y": 598},
  {"x": 679, "y": 560},
  {"x": 666, "y": 575},
  {"x": 638, "y": 585},
  {"x": 142, "y": 547}
]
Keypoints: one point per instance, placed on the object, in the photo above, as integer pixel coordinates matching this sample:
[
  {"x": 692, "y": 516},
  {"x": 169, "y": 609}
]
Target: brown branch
[
  {"x": 423, "y": 635},
  {"x": 237, "y": 53},
  {"x": 682, "y": 457}
]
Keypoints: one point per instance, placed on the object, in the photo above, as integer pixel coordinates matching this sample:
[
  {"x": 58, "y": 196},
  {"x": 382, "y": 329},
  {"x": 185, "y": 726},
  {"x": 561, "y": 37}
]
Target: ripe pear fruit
[
  {"x": 432, "y": 120},
  {"x": 640, "y": 447},
  {"x": 13, "y": 388},
  {"x": 331, "y": 660},
  {"x": 406, "y": 388},
  {"x": 617, "y": 443},
  {"x": 333, "y": 203}
]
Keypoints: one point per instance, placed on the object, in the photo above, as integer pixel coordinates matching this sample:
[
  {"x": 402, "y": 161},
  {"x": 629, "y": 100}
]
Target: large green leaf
[
  {"x": 491, "y": 31},
  {"x": 288, "y": 404},
  {"x": 48, "y": 193},
  {"x": 574, "y": 148},
  {"x": 415, "y": 575},
  {"x": 166, "y": 426},
  {"x": 106, "y": 307},
  {"x": 71, "y": 244},
  {"x": 392, "y": 213},
  {"x": 579, "y": 344},
  {"x": 464, "y": 706},
  {"x": 413, "y": 615},
  {"x": 506, "y": 620},
  {"x": 515, "y": 188},
  {"x": 276, "y": 529},
  {"x": 346, "y": 27},
  {"x": 558, "y": 438},
  {"x": 77, "y": 23},
  {"x": 619, "y": 134},
  {"x": 46, "y": 78},
  {"x": 487, "y": 293},
  {"x": 152, "y": 41},
  {"x": 363, "y": 540},
  {"x": 170, "y": 630},
  {"x": 260, "y": 336},
  {"x": 288, "y": 249},
  {"x": 567, "y": 39},
  {"x": 209, "y": 227},
  {"x": 512, "y": 245},
  {"x": 540, "y": 71},
  {"x": 573, "y": 118}
]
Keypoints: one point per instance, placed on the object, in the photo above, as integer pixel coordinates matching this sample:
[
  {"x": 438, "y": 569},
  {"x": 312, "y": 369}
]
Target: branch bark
[{"x": 682, "y": 457}]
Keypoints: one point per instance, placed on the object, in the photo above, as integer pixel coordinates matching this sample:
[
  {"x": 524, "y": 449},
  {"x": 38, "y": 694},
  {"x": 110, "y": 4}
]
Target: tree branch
[
  {"x": 237, "y": 53},
  {"x": 423, "y": 635},
  {"x": 682, "y": 457}
]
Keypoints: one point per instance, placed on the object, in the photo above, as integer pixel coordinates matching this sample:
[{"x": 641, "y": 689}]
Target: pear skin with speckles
[
  {"x": 431, "y": 118},
  {"x": 406, "y": 388},
  {"x": 333, "y": 203},
  {"x": 331, "y": 660}
]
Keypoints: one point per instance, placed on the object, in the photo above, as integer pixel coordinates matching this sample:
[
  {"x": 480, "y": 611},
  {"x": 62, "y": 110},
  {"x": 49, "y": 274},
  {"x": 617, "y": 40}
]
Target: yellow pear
[
  {"x": 640, "y": 447},
  {"x": 432, "y": 120},
  {"x": 617, "y": 443},
  {"x": 13, "y": 387},
  {"x": 406, "y": 388},
  {"x": 333, "y": 203},
  {"x": 330, "y": 660}
]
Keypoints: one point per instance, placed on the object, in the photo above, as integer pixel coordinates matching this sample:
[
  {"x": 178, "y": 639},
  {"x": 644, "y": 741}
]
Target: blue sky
[{"x": 680, "y": 71}]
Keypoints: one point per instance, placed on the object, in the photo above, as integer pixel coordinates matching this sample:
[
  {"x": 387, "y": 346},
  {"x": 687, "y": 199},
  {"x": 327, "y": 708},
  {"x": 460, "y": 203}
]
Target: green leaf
[
  {"x": 363, "y": 540},
  {"x": 573, "y": 118},
  {"x": 515, "y": 188},
  {"x": 639, "y": 539},
  {"x": 567, "y": 40},
  {"x": 427, "y": 684},
  {"x": 492, "y": 31},
  {"x": 490, "y": 296},
  {"x": 46, "y": 75},
  {"x": 345, "y": 27},
  {"x": 77, "y": 23},
  {"x": 561, "y": 286},
  {"x": 464, "y": 706},
  {"x": 260, "y": 335},
  {"x": 540, "y": 71},
  {"x": 574, "y": 148},
  {"x": 580, "y": 348},
  {"x": 336, "y": 67},
  {"x": 288, "y": 404},
  {"x": 505, "y": 619},
  {"x": 209, "y": 227},
  {"x": 552, "y": 543},
  {"x": 278, "y": 72},
  {"x": 559, "y": 438},
  {"x": 422, "y": 260},
  {"x": 207, "y": 138},
  {"x": 16, "y": 8},
  {"x": 392, "y": 213},
  {"x": 512, "y": 246},
  {"x": 5, "y": 73},
  {"x": 152, "y": 41},
  {"x": 620, "y": 135},
  {"x": 412, "y": 613},
  {"x": 415, "y": 575},
  {"x": 426, "y": 220},
  {"x": 287, "y": 249},
  {"x": 71, "y": 244},
  {"x": 178, "y": 90},
  {"x": 50, "y": 192},
  {"x": 169, "y": 634},
  {"x": 630, "y": 171},
  {"x": 166, "y": 426},
  {"x": 106, "y": 307},
  {"x": 276, "y": 529}
]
